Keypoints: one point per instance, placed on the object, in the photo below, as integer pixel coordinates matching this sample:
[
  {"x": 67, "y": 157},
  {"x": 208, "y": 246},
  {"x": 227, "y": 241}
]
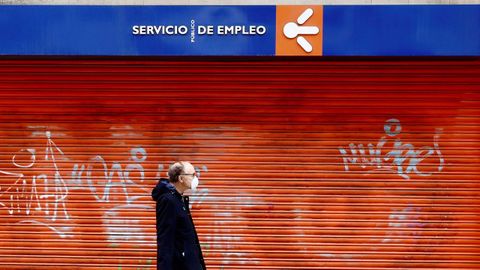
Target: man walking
[{"x": 178, "y": 247}]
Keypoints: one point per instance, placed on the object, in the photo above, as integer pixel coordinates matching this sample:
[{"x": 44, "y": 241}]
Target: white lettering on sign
[
  {"x": 193, "y": 29},
  {"x": 205, "y": 29},
  {"x": 159, "y": 30},
  {"x": 241, "y": 30}
]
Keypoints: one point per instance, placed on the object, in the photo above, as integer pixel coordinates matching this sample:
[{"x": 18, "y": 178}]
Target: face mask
[{"x": 194, "y": 183}]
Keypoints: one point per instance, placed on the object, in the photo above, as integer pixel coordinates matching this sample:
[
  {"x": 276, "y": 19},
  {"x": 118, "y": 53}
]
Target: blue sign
[
  {"x": 429, "y": 30},
  {"x": 137, "y": 30},
  {"x": 446, "y": 30}
]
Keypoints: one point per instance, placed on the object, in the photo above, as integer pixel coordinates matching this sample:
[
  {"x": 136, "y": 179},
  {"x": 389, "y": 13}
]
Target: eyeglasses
[{"x": 192, "y": 174}]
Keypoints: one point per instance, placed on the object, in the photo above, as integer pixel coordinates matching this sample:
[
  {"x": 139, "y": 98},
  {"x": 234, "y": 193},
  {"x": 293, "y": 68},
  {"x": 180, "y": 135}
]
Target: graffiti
[
  {"x": 113, "y": 177},
  {"x": 223, "y": 236},
  {"x": 44, "y": 194},
  {"x": 22, "y": 189},
  {"x": 123, "y": 229},
  {"x": 41, "y": 190},
  {"x": 201, "y": 195},
  {"x": 404, "y": 223},
  {"x": 403, "y": 158}
]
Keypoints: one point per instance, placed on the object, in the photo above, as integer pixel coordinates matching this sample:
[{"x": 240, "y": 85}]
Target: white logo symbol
[{"x": 292, "y": 30}]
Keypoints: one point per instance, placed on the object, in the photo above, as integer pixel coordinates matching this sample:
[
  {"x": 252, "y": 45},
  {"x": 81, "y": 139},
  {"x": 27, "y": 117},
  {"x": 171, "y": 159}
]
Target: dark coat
[{"x": 178, "y": 247}]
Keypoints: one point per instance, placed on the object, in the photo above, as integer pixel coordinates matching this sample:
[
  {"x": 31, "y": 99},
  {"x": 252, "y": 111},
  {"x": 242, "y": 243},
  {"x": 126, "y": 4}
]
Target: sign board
[{"x": 429, "y": 30}]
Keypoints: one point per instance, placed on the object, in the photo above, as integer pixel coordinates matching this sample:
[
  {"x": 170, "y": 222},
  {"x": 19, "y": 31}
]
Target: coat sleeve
[{"x": 166, "y": 222}]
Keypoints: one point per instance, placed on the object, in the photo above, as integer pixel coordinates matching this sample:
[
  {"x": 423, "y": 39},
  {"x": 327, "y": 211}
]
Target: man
[{"x": 178, "y": 247}]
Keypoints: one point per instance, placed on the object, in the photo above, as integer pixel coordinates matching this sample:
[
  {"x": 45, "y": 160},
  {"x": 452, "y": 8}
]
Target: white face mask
[{"x": 194, "y": 183}]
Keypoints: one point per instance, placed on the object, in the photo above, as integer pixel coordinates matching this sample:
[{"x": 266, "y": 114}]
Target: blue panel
[
  {"x": 347, "y": 30},
  {"x": 448, "y": 30},
  {"x": 107, "y": 30}
]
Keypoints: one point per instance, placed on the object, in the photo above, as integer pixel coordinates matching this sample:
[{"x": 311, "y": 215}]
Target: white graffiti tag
[
  {"x": 41, "y": 193},
  {"x": 402, "y": 159},
  {"x": 36, "y": 192}
]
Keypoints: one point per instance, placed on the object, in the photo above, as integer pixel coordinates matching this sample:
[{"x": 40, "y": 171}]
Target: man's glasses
[{"x": 192, "y": 174}]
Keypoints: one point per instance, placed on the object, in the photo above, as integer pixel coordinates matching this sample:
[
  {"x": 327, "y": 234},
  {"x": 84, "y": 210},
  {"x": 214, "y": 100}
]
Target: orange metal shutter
[{"x": 305, "y": 164}]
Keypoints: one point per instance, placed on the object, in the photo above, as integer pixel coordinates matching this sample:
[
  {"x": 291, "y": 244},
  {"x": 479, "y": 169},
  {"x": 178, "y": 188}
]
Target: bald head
[{"x": 179, "y": 168}]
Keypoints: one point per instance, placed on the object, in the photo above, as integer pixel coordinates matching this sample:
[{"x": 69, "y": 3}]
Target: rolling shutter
[{"x": 305, "y": 164}]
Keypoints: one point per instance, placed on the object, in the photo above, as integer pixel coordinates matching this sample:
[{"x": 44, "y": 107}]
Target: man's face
[{"x": 188, "y": 175}]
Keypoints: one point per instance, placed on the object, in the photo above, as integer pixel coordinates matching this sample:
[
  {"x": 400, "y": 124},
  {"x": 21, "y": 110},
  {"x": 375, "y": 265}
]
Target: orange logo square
[{"x": 299, "y": 30}]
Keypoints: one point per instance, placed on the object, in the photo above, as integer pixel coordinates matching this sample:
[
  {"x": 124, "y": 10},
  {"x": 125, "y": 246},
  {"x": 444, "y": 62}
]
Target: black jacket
[{"x": 178, "y": 247}]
